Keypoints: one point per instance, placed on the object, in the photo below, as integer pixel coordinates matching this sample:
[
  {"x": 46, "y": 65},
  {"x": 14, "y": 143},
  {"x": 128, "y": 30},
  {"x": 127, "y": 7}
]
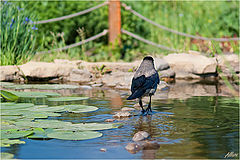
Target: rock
[
  {"x": 228, "y": 63},
  {"x": 132, "y": 148},
  {"x": 40, "y": 70},
  {"x": 148, "y": 145},
  {"x": 191, "y": 65},
  {"x": 160, "y": 64},
  {"x": 169, "y": 73},
  {"x": 97, "y": 85},
  {"x": 137, "y": 106},
  {"x": 139, "y": 136},
  {"x": 85, "y": 87},
  {"x": 79, "y": 75},
  {"x": 118, "y": 79},
  {"x": 103, "y": 149},
  {"x": 109, "y": 120},
  {"x": 122, "y": 114},
  {"x": 127, "y": 109},
  {"x": 8, "y": 73}
]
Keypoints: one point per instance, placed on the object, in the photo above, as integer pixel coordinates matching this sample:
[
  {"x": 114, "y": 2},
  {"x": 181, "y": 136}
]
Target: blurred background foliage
[{"x": 209, "y": 19}]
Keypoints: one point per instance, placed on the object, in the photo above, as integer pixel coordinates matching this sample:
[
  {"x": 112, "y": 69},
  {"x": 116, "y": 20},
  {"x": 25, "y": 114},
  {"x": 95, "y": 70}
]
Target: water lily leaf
[
  {"x": 5, "y": 155},
  {"x": 61, "y": 99},
  {"x": 10, "y": 117},
  {"x": 36, "y": 114},
  {"x": 74, "y": 135},
  {"x": 39, "y": 133},
  {"x": 79, "y": 108},
  {"x": 91, "y": 126},
  {"x": 15, "y": 106},
  {"x": 34, "y": 94},
  {"x": 9, "y": 96},
  {"x": 14, "y": 133},
  {"x": 41, "y": 86},
  {"x": 43, "y": 124},
  {"x": 8, "y": 142},
  {"x": 48, "y": 109}
]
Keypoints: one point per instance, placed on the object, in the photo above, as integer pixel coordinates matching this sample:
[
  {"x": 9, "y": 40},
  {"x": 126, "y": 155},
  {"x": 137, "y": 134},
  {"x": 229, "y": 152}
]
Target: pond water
[{"x": 193, "y": 127}]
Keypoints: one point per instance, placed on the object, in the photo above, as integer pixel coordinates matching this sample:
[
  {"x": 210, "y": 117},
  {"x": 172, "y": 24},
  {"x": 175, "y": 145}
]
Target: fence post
[{"x": 114, "y": 21}]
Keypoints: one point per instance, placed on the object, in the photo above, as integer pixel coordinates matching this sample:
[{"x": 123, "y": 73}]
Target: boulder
[
  {"x": 79, "y": 75},
  {"x": 121, "y": 80},
  {"x": 139, "y": 136},
  {"x": 41, "y": 70},
  {"x": 168, "y": 73},
  {"x": 160, "y": 64},
  {"x": 191, "y": 65},
  {"x": 8, "y": 73},
  {"x": 228, "y": 64},
  {"x": 133, "y": 148},
  {"x": 122, "y": 114}
]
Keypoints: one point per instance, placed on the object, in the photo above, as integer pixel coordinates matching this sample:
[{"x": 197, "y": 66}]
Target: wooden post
[{"x": 114, "y": 20}]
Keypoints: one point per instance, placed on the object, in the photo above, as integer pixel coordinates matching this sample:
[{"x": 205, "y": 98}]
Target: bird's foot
[{"x": 148, "y": 110}]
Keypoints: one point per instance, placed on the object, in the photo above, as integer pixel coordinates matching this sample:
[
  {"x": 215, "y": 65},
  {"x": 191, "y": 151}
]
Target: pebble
[
  {"x": 127, "y": 109},
  {"x": 139, "y": 136},
  {"x": 122, "y": 114},
  {"x": 133, "y": 148},
  {"x": 103, "y": 149},
  {"x": 147, "y": 145},
  {"x": 109, "y": 120},
  {"x": 97, "y": 85}
]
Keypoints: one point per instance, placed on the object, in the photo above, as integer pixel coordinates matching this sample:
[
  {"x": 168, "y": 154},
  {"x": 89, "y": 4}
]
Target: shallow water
[{"x": 195, "y": 127}]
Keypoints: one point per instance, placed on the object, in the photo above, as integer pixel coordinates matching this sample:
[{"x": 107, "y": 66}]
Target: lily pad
[
  {"x": 9, "y": 96},
  {"x": 74, "y": 135},
  {"x": 15, "y": 106},
  {"x": 92, "y": 126},
  {"x": 64, "y": 99},
  {"x": 48, "y": 109},
  {"x": 41, "y": 86},
  {"x": 14, "y": 133},
  {"x": 5, "y": 155},
  {"x": 79, "y": 108},
  {"x": 8, "y": 142},
  {"x": 39, "y": 133},
  {"x": 34, "y": 94},
  {"x": 43, "y": 124}
]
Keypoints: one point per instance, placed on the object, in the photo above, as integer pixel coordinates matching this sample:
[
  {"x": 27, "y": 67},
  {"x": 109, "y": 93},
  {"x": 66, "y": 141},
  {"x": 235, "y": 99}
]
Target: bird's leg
[
  {"x": 141, "y": 105},
  {"x": 149, "y": 105}
]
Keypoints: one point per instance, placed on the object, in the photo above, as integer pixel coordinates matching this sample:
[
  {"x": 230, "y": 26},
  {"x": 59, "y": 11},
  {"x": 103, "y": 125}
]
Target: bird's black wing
[
  {"x": 137, "y": 87},
  {"x": 137, "y": 83}
]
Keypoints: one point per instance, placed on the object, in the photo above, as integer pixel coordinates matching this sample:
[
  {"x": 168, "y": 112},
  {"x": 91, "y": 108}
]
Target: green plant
[{"x": 18, "y": 34}]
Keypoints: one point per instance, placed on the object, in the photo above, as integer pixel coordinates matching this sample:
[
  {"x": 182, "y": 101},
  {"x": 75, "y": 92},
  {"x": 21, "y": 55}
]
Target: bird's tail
[{"x": 136, "y": 94}]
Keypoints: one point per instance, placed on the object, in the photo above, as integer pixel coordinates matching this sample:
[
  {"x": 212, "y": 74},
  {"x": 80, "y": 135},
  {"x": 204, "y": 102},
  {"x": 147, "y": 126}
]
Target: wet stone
[
  {"x": 122, "y": 114},
  {"x": 133, "y": 148},
  {"x": 127, "y": 109},
  {"x": 103, "y": 149},
  {"x": 139, "y": 136},
  {"x": 109, "y": 120},
  {"x": 148, "y": 145}
]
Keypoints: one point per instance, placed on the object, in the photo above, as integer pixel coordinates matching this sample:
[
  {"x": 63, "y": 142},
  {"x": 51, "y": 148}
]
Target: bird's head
[{"x": 148, "y": 58}]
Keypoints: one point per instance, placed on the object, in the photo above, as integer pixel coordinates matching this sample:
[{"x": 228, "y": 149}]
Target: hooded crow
[{"x": 144, "y": 82}]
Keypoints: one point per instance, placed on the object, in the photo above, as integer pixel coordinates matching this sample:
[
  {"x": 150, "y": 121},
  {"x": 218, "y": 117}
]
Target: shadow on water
[{"x": 191, "y": 126}]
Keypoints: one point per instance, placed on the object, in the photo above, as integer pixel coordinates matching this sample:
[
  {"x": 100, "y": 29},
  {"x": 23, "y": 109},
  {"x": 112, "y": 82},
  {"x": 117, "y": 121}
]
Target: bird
[{"x": 144, "y": 82}]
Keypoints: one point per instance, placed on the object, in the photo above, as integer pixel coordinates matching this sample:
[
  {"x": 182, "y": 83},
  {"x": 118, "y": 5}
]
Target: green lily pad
[
  {"x": 74, "y": 135},
  {"x": 14, "y": 133},
  {"x": 41, "y": 86},
  {"x": 91, "y": 126},
  {"x": 8, "y": 142},
  {"x": 5, "y": 155},
  {"x": 39, "y": 133},
  {"x": 9, "y": 96},
  {"x": 48, "y": 109},
  {"x": 36, "y": 114},
  {"x": 64, "y": 99},
  {"x": 15, "y": 106},
  {"x": 34, "y": 94},
  {"x": 43, "y": 124},
  {"x": 79, "y": 108}
]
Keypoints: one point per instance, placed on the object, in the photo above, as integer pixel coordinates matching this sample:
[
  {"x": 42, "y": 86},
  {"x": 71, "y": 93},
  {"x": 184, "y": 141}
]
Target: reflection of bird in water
[{"x": 144, "y": 82}]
